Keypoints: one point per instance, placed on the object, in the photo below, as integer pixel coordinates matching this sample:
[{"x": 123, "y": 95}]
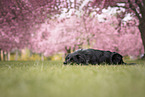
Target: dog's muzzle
[{"x": 65, "y": 63}]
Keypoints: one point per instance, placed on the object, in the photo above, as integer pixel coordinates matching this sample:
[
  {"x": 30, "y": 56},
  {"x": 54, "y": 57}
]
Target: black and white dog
[{"x": 92, "y": 56}]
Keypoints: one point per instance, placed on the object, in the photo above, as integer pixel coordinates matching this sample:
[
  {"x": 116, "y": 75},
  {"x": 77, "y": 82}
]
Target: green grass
[{"x": 52, "y": 79}]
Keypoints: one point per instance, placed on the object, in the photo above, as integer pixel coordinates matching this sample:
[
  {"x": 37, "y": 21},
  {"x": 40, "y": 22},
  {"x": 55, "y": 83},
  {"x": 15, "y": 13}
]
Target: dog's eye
[{"x": 71, "y": 59}]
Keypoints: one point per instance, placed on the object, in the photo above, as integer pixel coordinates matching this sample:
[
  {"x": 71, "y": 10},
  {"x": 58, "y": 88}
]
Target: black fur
[{"x": 92, "y": 56}]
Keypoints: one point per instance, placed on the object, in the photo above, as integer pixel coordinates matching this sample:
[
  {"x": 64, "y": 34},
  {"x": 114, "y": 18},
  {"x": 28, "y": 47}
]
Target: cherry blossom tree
[
  {"x": 59, "y": 35},
  {"x": 127, "y": 41},
  {"x": 36, "y": 24},
  {"x": 69, "y": 34},
  {"x": 18, "y": 19},
  {"x": 135, "y": 7}
]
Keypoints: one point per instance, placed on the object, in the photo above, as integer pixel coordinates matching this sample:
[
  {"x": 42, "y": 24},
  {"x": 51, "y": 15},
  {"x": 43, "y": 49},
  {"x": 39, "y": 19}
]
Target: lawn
[{"x": 53, "y": 79}]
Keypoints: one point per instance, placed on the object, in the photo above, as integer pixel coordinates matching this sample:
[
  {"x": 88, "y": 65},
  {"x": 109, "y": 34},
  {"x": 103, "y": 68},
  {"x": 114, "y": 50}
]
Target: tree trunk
[
  {"x": 42, "y": 57},
  {"x": 0, "y": 55},
  {"x": 67, "y": 51},
  {"x": 8, "y": 57},
  {"x": 142, "y": 31},
  {"x": 16, "y": 56},
  {"x": 4, "y": 56}
]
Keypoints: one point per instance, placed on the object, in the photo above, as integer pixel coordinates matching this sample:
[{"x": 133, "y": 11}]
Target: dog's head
[
  {"x": 68, "y": 59},
  {"x": 116, "y": 58},
  {"x": 75, "y": 58}
]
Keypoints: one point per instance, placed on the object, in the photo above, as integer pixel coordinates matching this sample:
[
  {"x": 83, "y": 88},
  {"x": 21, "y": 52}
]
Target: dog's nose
[{"x": 64, "y": 63}]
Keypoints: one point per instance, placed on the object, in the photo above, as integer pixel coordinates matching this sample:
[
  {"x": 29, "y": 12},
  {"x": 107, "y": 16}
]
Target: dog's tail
[{"x": 129, "y": 63}]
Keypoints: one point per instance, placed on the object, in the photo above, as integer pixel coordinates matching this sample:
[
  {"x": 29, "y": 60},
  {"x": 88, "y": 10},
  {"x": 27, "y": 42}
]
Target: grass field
[{"x": 52, "y": 79}]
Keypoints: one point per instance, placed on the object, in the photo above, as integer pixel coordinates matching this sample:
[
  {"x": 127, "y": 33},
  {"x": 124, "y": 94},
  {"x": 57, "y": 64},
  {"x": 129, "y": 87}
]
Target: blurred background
[{"x": 50, "y": 29}]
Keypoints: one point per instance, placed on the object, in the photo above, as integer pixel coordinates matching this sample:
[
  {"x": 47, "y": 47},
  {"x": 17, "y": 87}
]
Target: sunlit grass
[{"x": 53, "y": 79}]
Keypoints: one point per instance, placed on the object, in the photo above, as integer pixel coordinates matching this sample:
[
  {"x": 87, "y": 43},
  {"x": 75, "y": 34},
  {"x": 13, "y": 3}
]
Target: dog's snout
[{"x": 65, "y": 63}]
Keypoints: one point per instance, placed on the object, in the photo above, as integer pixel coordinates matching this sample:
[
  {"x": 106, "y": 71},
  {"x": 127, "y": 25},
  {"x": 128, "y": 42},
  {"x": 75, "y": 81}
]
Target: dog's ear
[
  {"x": 116, "y": 58},
  {"x": 79, "y": 58},
  {"x": 76, "y": 59}
]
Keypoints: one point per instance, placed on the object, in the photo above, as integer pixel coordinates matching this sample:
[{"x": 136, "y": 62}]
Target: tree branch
[
  {"x": 141, "y": 7},
  {"x": 136, "y": 13},
  {"x": 133, "y": 8},
  {"x": 120, "y": 6}
]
